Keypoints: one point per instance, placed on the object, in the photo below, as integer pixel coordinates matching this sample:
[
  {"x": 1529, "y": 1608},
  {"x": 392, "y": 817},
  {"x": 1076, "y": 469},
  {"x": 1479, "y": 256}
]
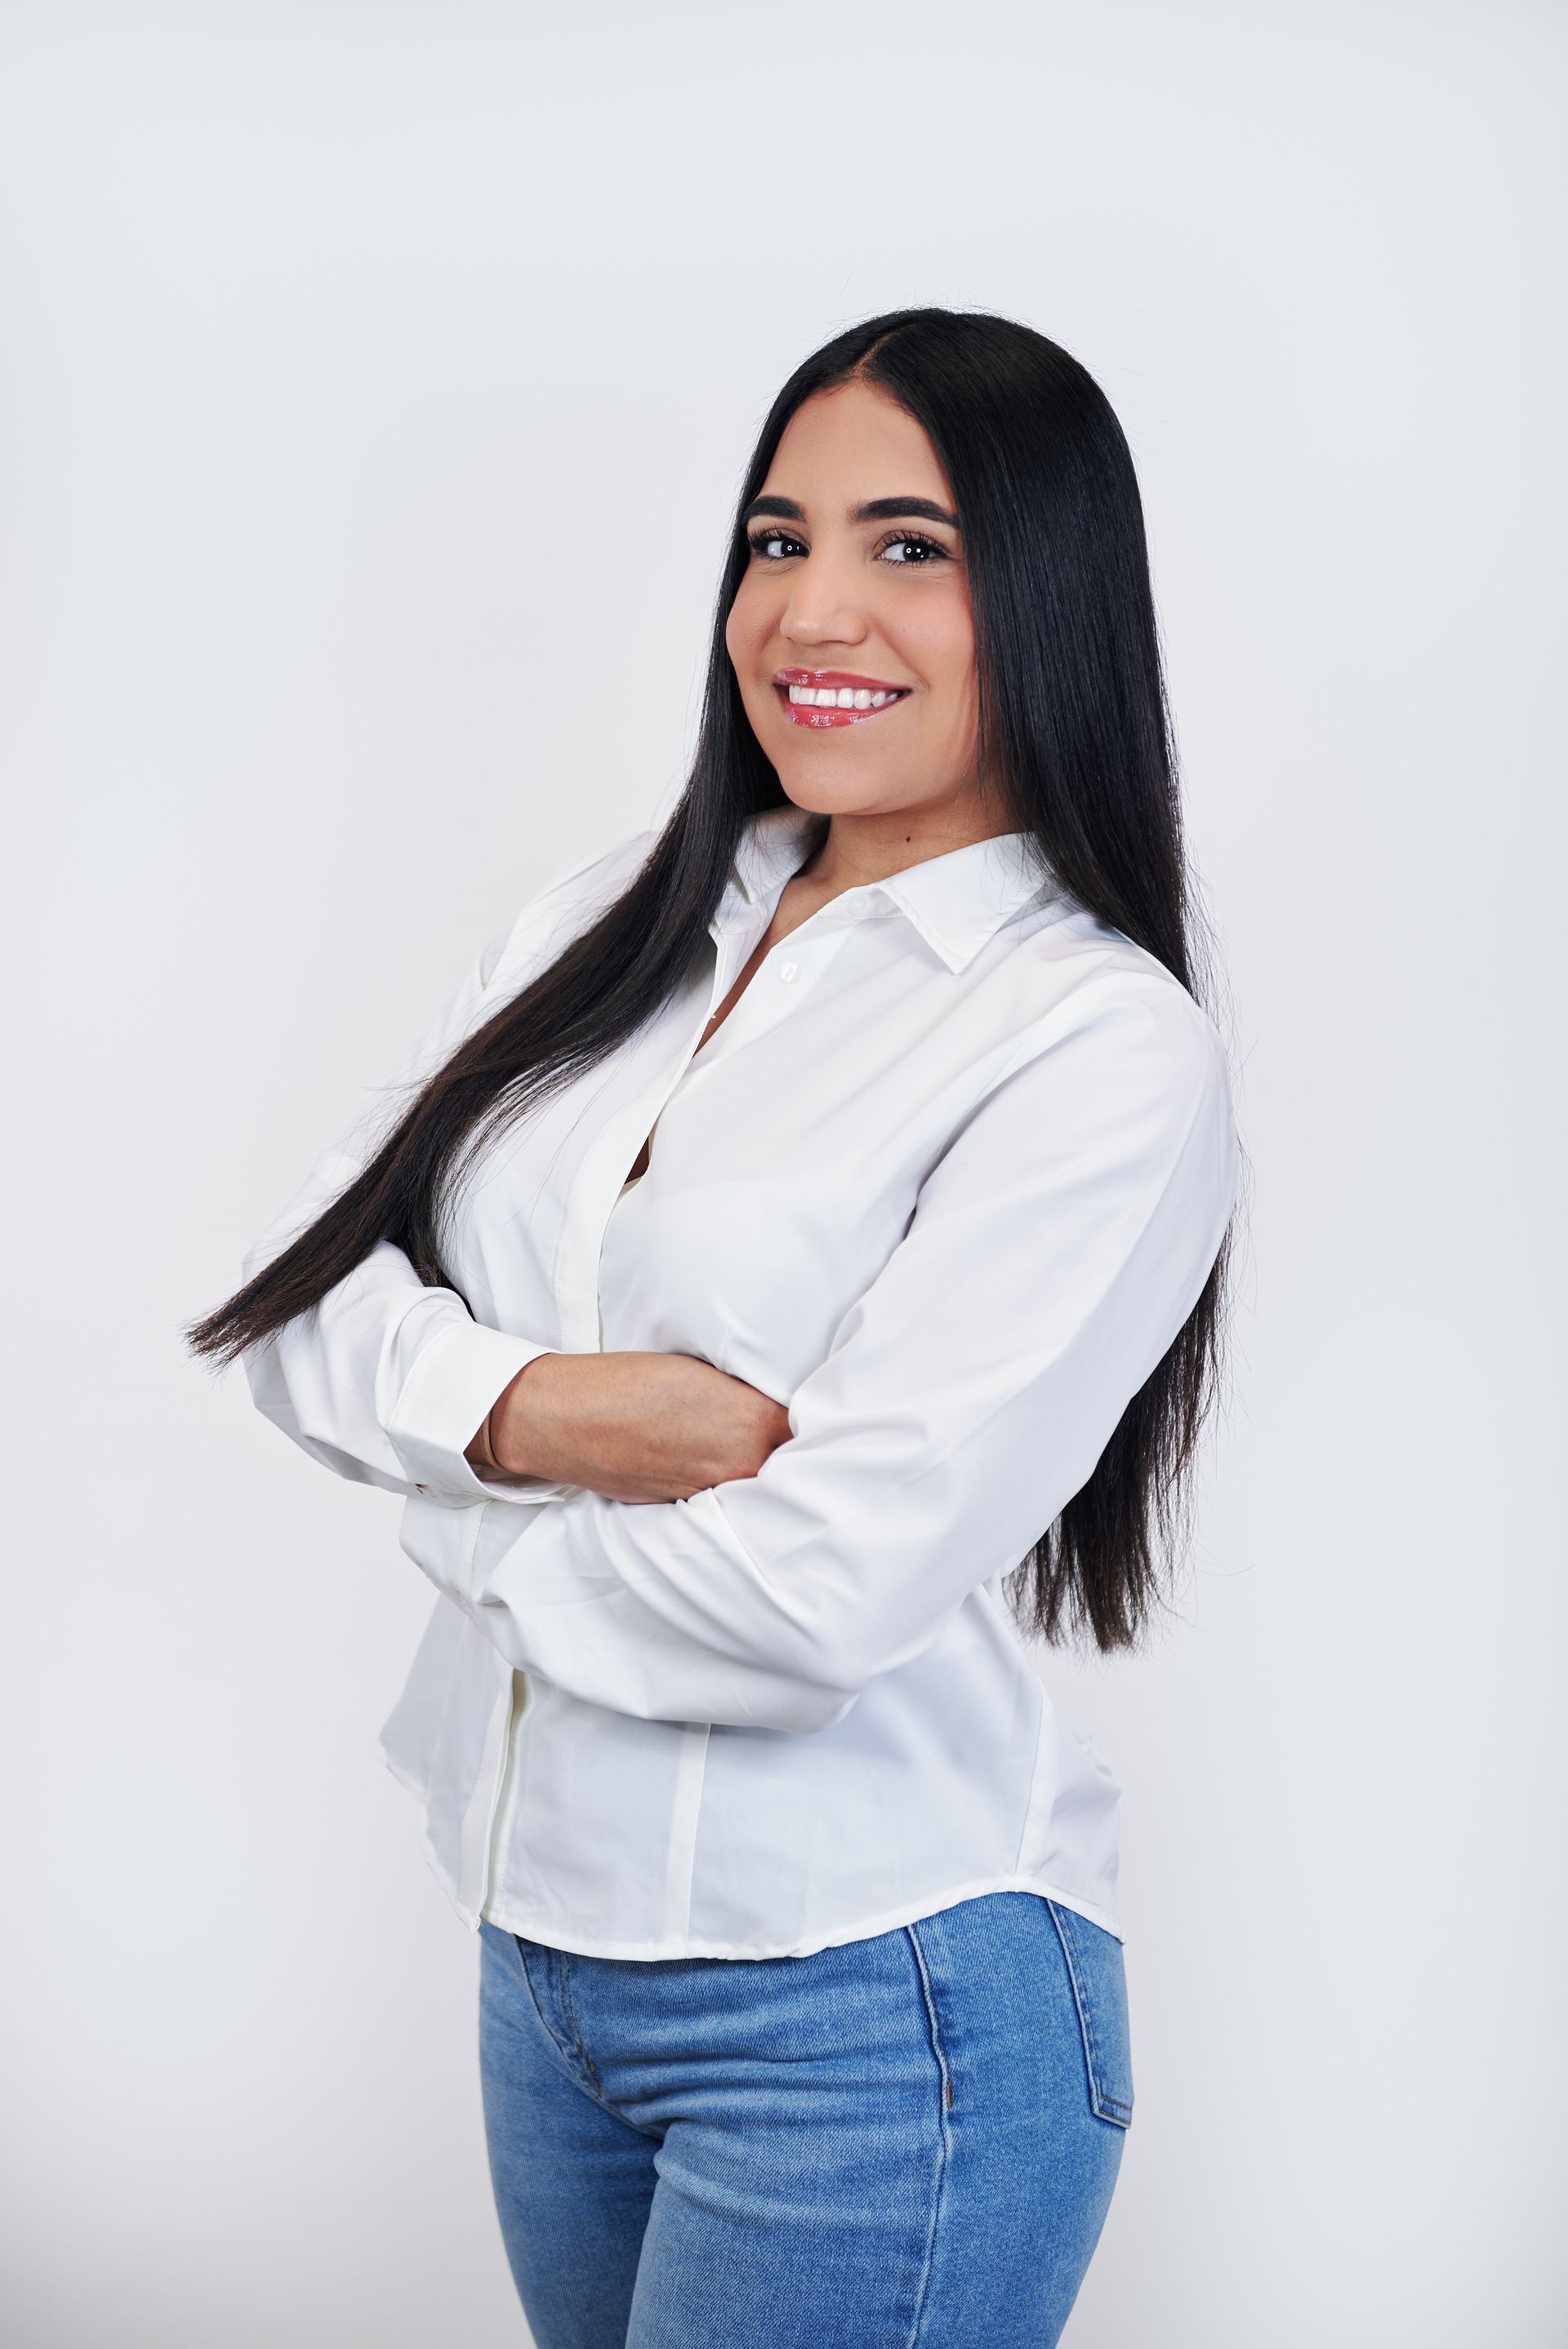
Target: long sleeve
[
  {"x": 386, "y": 1380},
  {"x": 1056, "y": 1249}
]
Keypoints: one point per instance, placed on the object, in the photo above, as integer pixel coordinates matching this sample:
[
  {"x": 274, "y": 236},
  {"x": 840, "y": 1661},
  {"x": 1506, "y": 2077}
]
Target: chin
[{"x": 829, "y": 786}]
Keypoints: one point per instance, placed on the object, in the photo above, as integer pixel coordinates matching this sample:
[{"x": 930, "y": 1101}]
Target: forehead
[{"x": 851, "y": 444}]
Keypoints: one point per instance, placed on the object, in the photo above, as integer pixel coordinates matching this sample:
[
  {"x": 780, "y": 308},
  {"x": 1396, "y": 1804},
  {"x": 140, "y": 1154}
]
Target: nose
[{"x": 824, "y": 608}]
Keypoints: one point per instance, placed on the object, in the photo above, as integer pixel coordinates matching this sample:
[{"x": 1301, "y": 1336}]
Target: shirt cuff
[{"x": 456, "y": 1378}]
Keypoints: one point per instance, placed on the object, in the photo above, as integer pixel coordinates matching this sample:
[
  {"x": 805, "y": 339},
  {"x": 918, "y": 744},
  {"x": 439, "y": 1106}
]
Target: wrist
[
  {"x": 510, "y": 1432},
  {"x": 478, "y": 1451}
]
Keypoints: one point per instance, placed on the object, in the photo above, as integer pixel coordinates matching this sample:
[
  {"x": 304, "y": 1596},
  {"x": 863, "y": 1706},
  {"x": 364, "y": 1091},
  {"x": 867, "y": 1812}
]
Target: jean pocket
[{"x": 1098, "y": 1977}]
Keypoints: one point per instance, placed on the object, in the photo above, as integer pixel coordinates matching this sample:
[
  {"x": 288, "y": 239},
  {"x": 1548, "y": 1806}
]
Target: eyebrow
[{"x": 875, "y": 509}]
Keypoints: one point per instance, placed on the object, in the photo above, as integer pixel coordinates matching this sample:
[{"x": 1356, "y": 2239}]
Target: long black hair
[{"x": 1075, "y": 726}]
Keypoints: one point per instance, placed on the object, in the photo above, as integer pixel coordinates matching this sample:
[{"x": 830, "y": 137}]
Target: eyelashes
[
  {"x": 764, "y": 542},
  {"x": 780, "y": 546}
]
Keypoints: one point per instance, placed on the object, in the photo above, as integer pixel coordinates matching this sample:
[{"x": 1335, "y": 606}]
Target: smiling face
[{"x": 850, "y": 635}]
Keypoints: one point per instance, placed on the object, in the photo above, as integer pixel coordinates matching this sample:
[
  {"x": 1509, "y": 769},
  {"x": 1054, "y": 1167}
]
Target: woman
[{"x": 794, "y": 1274}]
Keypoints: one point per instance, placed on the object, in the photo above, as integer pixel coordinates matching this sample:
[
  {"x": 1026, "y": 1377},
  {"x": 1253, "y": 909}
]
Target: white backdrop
[{"x": 378, "y": 382}]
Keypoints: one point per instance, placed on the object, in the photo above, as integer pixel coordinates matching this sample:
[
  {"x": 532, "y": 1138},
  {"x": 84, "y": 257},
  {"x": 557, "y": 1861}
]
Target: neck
[{"x": 858, "y": 848}]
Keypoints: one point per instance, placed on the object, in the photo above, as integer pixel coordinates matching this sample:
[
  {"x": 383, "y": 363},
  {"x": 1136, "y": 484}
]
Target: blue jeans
[{"x": 909, "y": 2139}]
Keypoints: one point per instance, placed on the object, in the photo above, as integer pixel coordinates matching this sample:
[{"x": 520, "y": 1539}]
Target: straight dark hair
[{"x": 1075, "y": 728}]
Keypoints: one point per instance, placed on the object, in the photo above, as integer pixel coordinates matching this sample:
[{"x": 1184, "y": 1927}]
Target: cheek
[
  {"x": 958, "y": 643},
  {"x": 939, "y": 642},
  {"x": 750, "y": 621}
]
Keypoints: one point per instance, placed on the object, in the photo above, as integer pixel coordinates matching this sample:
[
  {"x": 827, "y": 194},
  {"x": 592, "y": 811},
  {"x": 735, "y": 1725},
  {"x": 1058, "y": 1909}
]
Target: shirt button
[{"x": 787, "y": 970}]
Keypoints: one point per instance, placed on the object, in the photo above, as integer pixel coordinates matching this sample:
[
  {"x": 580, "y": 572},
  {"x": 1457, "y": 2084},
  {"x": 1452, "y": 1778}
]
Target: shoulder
[
  {"x": 1113, "y": 1010},
  {"x": 562, "y": 905}
]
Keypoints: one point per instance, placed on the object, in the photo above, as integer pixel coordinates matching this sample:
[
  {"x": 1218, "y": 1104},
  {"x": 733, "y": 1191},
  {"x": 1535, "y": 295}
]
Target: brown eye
[
  {"x": 911, "y": 548},
  {"x": 774, "y": 545}
]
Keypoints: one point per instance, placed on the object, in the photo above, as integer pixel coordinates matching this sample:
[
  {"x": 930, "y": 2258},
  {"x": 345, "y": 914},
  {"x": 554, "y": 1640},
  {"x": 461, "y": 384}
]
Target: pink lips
[{"x": 836, "y": 682}]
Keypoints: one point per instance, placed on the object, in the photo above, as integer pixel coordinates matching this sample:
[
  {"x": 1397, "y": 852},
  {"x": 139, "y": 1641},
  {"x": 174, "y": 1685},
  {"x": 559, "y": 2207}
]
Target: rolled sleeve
[
  {"x": 460, "y": 1370},
  {"x": 386, "y": 1382}
]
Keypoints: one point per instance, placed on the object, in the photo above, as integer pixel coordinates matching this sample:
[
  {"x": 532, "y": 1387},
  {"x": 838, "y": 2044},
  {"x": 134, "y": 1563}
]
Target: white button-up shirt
[{"x": 945, "y": 1182}]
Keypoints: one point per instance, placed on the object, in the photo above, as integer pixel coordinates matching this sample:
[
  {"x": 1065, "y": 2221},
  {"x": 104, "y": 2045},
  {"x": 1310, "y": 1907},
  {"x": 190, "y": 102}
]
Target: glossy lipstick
[{"x": 833, "y": 697}]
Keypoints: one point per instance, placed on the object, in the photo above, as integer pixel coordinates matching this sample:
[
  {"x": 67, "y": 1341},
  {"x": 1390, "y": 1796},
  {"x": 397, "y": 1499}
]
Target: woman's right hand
[{"x": 634, "y": 1426}]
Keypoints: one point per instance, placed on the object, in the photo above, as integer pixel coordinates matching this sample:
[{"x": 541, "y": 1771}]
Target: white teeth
[{"x": 842, "y": 697}]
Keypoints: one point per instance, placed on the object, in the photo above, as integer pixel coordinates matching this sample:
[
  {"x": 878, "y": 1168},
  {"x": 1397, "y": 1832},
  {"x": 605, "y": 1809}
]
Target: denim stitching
[
  {"x": 571, "y": 2018},
  {"x": 563, "y": 2053},
  {"x": 944, "y": 2131},
  {"x": 1107, "y": 2107},
  {"x": 552, "y": 1959}
]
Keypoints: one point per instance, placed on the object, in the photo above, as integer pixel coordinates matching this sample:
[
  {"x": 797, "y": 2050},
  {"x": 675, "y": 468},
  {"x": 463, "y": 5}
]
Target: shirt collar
[{"x": 957, "y": 901}]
